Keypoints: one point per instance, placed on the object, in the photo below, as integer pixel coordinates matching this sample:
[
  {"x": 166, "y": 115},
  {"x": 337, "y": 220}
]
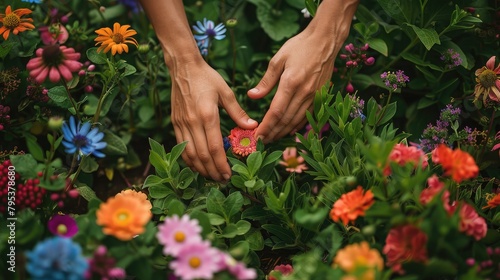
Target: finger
[
  {"x": 216, "y": 150},
  {"x": 298, "y": 116},
  {"x": 269, "y": 80},
  {"x": 239, "y": 116}
]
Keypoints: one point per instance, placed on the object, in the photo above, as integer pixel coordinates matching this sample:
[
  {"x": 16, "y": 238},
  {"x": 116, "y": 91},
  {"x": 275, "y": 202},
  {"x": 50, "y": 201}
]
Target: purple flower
[
  {"x": 62, "y": 225},
  {"x": 205, "y": 32},
  {"x": 395, "y": 80},
  {"x": 134, "y": 5},
  {"x": 102, "y": 266},
  {"x": 451, "y": 59}
]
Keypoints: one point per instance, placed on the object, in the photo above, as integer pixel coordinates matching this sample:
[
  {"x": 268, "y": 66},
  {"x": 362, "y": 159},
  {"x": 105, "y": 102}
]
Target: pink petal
[
  {"x": 34, "y": 63},
  {"x": 64, "y": 71},
  {"x": 491, "y": 63},
  {"x": 40, "y": 78},
  {"x": 54, "y": 75},
  {"x": 39, "y": 52},
  {"x": 72, "y": 65}
]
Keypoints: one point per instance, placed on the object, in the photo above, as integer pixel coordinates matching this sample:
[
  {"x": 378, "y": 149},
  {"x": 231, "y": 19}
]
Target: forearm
[
  {"x": 173, "y": 31},
  {"x": 333, "y": 19}
]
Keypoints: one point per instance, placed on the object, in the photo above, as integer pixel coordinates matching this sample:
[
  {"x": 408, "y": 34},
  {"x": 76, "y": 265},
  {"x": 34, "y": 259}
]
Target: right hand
[{"x": 197, "y": 92}]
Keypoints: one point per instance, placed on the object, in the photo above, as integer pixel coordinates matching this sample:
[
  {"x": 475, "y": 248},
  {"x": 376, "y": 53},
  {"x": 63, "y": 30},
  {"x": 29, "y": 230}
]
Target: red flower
[
  {"x": 351, "y": 205},
  {"x": 456, "y": 163},
  {"x": 471, "y": 223},
  {"x": 402, "y": 154},
  {"x": 435, "y": 187},
  {"x": 492, "y": 201},
  {"x": 55, "y": 62},
  {"x": 404, "y": 244},
  {"x": 242, "y": 141}
]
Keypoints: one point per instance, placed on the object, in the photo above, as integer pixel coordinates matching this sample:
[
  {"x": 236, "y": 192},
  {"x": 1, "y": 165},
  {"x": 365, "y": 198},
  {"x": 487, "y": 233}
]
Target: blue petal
[
  {"x": 220, "y": 37},
  {"x": 72, "y": 125},
  {"x": 100, "y": 145},
  {"x": 67, "y": 132},
  {"x": 70, "y": 150},
  {"x": 200, "y": 37},
  {"x": 68, "y": 144},
  {"x": 85, "y": 129},
  {"x": 198, "y": 30},
  {"x": 98, "y": 154},
  {"x": 97, "y": 137}
]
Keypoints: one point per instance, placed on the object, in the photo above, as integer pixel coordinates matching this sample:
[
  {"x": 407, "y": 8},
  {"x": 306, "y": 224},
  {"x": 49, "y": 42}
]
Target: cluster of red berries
[
  {"x": 68, "y": 192},
  {"x": 4, "y": 116},
  {"x": 24, "y": 195}
]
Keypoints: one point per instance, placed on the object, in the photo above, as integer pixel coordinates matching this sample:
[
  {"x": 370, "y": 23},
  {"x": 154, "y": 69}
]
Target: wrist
[
  {"x": 181, "y": 52},
  {"x": 333, "y": 20}
]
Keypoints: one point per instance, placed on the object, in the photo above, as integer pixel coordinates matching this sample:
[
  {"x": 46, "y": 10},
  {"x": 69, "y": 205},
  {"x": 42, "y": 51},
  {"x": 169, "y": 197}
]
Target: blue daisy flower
[
  {"x": 207, "y": 31},
  {"x": 57, "y": 258},
  {"x": 80, "y": 138},
  {"x": 134, "y": 5},
  {"x": 227, "y": 143},
  {"x": 33, "y": 1}
]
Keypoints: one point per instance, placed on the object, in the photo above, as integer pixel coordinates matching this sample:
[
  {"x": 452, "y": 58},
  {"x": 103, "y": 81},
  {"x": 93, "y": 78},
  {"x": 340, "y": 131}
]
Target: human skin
[{"x": 302, "y": 65}]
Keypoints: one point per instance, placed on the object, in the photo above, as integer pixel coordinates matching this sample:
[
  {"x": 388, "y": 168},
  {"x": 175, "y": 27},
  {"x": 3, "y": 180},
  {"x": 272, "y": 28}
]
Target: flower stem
[
  {"x": 385, "y": 108},
  {"x": 65, "y": 84}
]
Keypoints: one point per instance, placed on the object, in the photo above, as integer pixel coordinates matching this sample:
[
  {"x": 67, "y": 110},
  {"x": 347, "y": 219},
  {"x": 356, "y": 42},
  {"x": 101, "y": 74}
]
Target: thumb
[
  {"x": 267, "y": 82},
  {"x": 234, "y": 110}
]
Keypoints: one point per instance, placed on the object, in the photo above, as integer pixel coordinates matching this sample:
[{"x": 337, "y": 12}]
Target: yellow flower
[
  {"x": 124, "y": 215},
  {"x": 12, "y": 22},
  {"x": 359, "y": 261},
  {"x": 115, "y": 40}
]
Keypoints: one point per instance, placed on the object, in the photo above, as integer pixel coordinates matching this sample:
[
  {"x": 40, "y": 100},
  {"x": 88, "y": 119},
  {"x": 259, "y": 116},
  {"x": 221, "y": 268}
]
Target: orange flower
[
  {"x": 351, "y": 205},
  {"x": 356, "y": 258},
  {"x": 488, "y": 82},
  {"x": 124, "y": 215},
  {"x": 456, "y": 163},
  {"x": 115, "y": 40},
  {"x": 12, "y": 22},
  {"x": 492, "y": 201},
  {"x": 139, "y": 195}
]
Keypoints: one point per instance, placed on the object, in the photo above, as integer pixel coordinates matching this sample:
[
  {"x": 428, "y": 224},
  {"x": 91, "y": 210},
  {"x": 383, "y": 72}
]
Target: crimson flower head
[
  {"x": 405, "y": 243},
  {"x": 488, "y": 83},
  {"x": 242, "y": 141},
  {"x": 54, "y": 61}
]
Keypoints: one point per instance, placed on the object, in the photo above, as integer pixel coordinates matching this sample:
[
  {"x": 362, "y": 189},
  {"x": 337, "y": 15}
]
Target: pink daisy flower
[
  {"x": 292, "y": 161},
  {"x": 242, "y": 141},
  {"x": 237, "y": 269},
  {"x": 175, "y": 233},
  {"x": 55, "y": 62},
  {"x": 196, "y": 261}
]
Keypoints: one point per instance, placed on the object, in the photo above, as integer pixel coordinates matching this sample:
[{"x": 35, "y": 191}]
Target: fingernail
[
  {"x": 226, "y": 177},
  {"x": 254, "y": 90},
  {"x": 260, "y": 137},
  {"x": 250, "y": 121}
]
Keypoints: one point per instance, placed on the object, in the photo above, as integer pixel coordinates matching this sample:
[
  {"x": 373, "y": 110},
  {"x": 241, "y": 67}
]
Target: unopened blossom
[
  {"x": 356, "y": 56},
  {"x": 15, "y": 22},
  {"x": 53, "y": 34},
  {"x": 292, "y": 161},
  {"x": 242, "y": 141},
  {"x": 196, "y": 261},
  {"x": 124, "y": 216},
  {"x": 405, "y": 243},
  {"x": 456, "y": 163},
  {"x": 54, "y": 62},
  {"x": 395, "y": 80},
  {"x": 359, "y": 256},
  {"x": 488, "y": 81},
  {"x": 115, "y": 40},
  {"x": 402, "y": 155},
  {"x": 471, "y": 223},
  {"x": 280, "y": 270},
  {"x": 175, "y": 232},
  {"x": 352, "y": 205},
  {"x": 492, "y": 201}
]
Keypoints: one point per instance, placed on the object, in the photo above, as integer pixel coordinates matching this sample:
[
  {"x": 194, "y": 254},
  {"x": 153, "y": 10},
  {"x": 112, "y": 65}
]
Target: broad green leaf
[
  {"x": 59, "y": 95},
  {"x": 254, "y": 161},
  {"x": 278, "y": 24},
  {"x": 177, "y": 151},
  {"x": 152, "y": 180},
  {"x": 5, "y": 48},
  {"x": 215, "y": 220},
  {"x": 34, "y": 148},
  {"x": 156, "y": 147},
  {"x": 427, "y": 36},
  {"x": 175, "y": 207},
  {"x": 25, "y": 165},
  {"x": 233, "y": 203},
  {"x": 272, "y": 158},
  {"x": 185, "y": 178},
  {"x": 159, "y": 191},
  {"x": 88, "y": 164},
  {"x": 389, "y": 113},
  {"x": 115, "y": 145},
  {"x": 378, "y": 45},
  {"x": 159, "y": 164},
  {"x": 215, "y": 202},
  {"x": 86, "y": 192},
  {"x": 97, "y": 58},
  {"x": 281, "y": 232},
  {"x": 242, "y": 227},
  {"x": 400, "y": 10}
]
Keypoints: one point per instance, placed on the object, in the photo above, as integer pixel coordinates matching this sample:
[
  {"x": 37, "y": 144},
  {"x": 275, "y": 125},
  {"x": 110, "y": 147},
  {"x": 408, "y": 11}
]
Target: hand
[
  {"x": 197, "y": 91},
  {"x": 302, "y": 66}
]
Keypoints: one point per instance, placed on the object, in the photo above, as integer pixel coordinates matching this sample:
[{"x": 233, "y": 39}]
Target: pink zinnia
[
  {"x": 176, "y": 233},
  {"x": 435, "y": 187},
  {"x": 55, "y": 62},
  {"x": 405, "y": 244},
  {"x": 402, "y": 154},
  {"x": 242, "y": 141},
  {"x": 196, "y": 261},
  {"x": 292, "y": 161},
  {"x": 471, "y": 223},
  {"x": 54, "y": 34}
]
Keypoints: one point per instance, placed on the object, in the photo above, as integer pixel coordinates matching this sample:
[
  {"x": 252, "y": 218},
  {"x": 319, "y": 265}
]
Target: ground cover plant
[{"x": 395, "y": 176}]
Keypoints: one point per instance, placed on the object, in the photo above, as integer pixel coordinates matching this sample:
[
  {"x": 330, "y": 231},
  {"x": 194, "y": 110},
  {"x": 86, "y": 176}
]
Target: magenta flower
[
  {"x": 237, "y": 269},
  {"x": 175, "y": 233},
  {"x": 62, "y": 225},
  {"x": 55, "y": 62},
  {"x": 395, "y": 80},
  {"x": 54, "y": 34},
  {"x": 196, "y": 261},
  {"x": 292, "y": 161}
]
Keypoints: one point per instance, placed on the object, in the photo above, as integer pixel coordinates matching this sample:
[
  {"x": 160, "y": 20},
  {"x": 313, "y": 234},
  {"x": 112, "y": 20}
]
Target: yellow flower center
[
  {"x": 117, "y": 38},
  {"x": 194, "y": 262},
  {"x": 11, "y": 21},
  {"x": 245, "y": 141},
  {"x": 62, "y": 229},
  {"x": 292, "y": 162},
  {"x": 123, "y": 217},
  {"x": 179, "y": 236},
  {"x": 487, "y": 78}
]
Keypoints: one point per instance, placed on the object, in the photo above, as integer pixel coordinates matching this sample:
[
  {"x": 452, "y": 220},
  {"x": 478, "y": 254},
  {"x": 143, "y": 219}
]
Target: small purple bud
[
  {"x": 370, "y": 60},
  {"x": 91, "y": 68},
  {"x": 470, "y": 261}
]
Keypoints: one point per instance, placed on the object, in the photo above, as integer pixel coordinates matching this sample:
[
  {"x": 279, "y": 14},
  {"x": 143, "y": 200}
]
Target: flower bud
[
  {"x": 55, "y": 123},
  {"x": 370, "y": 61},
  {"x": 231, "y": 22},
  {"x": 349, "y": 88},
  {"x": 143, "y": 48},
  {"x": 88, "y": 88},
  {"x": 91, "y": 68}
]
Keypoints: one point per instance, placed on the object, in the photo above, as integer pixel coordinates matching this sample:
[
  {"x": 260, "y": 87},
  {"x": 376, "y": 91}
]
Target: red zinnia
[
  {"x": 493, "y": 200},
  {"x": 435, "y": 187},
  {"x": 456, "y": 163},
  {"x": 242, "y": 141},
  {"x": 54, "y": 61},
  {"x": 405, "y": 244},
  {"x": 402, "y": 154},
  {"x": 471, "y": 223},
  {"x": 351, "y": 205}
]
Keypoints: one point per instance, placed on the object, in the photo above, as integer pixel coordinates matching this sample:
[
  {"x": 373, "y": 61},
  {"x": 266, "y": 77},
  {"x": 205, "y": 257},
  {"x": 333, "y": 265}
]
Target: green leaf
[
  {"x": 33, "y": 147},
  {"x": 389, "y": 113},
  {"x": 186, "y": 176},
  {"x": 272, "y": 158},
  {"x": 5, "y": 48},
  {"x": 215, "y": 202},
  {"x": 282, "y": 233},
  {"x": 97, "y": 58},
  {"x": 86, "y": 192},
  {"x": 159, "y": 164},
  {"x": 427, "y": 36},
  {"x": 89, "y": 164},
  {"x": 25, "y": 165},
  {"x": 233, "y": 203},
  {"x": 115, "y": 145},
  {"x": 177, "y": 151},
  {"x": 175, "y": 207},
  {"x": 242, "y": 227},
  {"x": 59, "y": 95},
  {"x": 378, "y": 45},
  {"x": 156, "y": 147},
  {"x": 254, "y": 161},
  {"x": 159, "y": 191},
  {"x": 400, "y": 10},
  {"x": 153, "y": 180},
  {"x": 215, "y": 220},
  {"x": 278, "y": 24},
  {"x": 255, "y": 239}
]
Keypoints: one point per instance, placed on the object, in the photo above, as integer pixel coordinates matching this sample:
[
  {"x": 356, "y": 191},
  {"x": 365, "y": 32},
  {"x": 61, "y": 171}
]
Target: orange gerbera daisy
[
  {"x": 456, "y": 163},
  {"x": 12, "y": 21},
  {"x": 351, "y": 205},
  {"x": 115, "y": 40},
  {"x": 360, "y": 260},
  {"x": 488, "y": 82},
  {"x": 124, "y": 215},
  {"x": 492, "y": 200},
  {"x": 242, "y": 141}
]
